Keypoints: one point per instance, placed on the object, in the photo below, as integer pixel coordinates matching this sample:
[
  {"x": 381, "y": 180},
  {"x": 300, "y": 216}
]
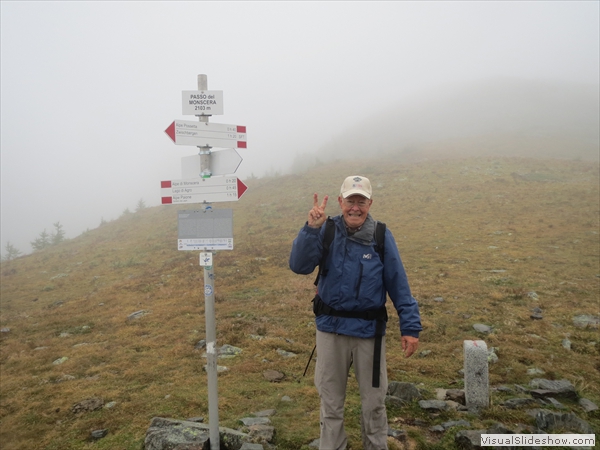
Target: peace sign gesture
[{"x": 316, "y": 216}]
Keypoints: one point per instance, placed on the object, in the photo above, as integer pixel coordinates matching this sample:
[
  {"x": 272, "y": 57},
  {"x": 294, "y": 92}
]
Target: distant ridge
[{"x": 504, "y": 117}]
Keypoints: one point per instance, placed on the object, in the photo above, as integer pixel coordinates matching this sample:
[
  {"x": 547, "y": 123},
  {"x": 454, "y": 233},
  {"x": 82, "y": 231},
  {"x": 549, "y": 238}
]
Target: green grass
[{"x": 457, "y": 223}]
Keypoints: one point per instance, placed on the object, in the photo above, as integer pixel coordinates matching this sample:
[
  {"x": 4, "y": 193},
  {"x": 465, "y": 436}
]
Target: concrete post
[{"x": 477, "y": 387}]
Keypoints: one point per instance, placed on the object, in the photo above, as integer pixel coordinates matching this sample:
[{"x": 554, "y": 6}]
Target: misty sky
[{"x": 88, "y": 88}]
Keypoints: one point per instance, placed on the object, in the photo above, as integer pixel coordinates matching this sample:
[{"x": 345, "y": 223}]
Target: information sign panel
[{"x": 210, "y": 229}]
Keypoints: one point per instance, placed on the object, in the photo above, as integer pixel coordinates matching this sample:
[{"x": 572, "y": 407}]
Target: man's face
[{"x": 355, "y": 209}]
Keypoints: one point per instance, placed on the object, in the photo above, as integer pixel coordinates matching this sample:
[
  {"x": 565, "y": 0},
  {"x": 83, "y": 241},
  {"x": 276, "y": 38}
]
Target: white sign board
[
  {"x": 205, "y": 134},
  {"x": 202, "y": 103},
  {"x": 202, "y": 190},
  {"x": 210, "y": 229},
  {"x": 222, "y": 162}
]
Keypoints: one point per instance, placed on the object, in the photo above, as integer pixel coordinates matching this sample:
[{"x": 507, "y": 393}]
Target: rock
[
  {"x": 456, "y": 395},
  {"x": 200, "y": 344},
  {"x": 438, "y": 299},
  {"x": 98, "y": 434},
  {"x": 532, "y": 295},
  {"x": 498, "y": 428},
  {"x": 249, "y": 421},
  {"x": 535, "y": 371},
  {"x": 87, "y": 405},
  {"x": 399, "y": 435},
  {"x": 165, "y": 433},
  {"x": 261, "y": 433},
  {"x": 285, "y": 398},
  {"x": 566, "y": 344},
  {"x": 286, "y": 354},
  {"x": 249, "y": 446},
  {"x": 455, "y": 423},
  {"x": 229, "y": 351},
  {"x": 137, "y": 314},
  {"x": 220, "y": 369},
  {"x": 536, "y": 316},
  {"x": 273, "y": 376},
  {"x": 556, "y": 403},
  {"x": 5, "y": 330},
  {"x": 552, "y": 421},
  {"x": 424, "y": 353},
  {"x": 481, "y": 328},
  {"x": 110, "y": 405},
  {"x": 60, "y": 360},
  {"x": 433, "y": 405},
  {"x": 586, "y": 320},
  {"x": 440, "y": 394},
  {"x": 587, "y": 405},
  {"x": 559, "y": 388},
  {"x": 469, "y": 439},
  {"x": 505, "y": 389},
  {"x": 265, "y": 413},
  {"x": 197, "y": 419},
  {"x": 405, "y": 392}
]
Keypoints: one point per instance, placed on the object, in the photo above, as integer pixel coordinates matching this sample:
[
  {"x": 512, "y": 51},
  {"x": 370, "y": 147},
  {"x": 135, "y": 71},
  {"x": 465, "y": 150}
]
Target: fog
[{"x": 88, "y": 88}]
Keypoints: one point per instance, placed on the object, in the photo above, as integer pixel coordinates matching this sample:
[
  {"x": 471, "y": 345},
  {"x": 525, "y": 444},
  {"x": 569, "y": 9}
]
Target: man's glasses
[{"x": 352, "y": 203}]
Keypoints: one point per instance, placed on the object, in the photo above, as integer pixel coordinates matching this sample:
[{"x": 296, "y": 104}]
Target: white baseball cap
[{"x": 356, "y": 185}]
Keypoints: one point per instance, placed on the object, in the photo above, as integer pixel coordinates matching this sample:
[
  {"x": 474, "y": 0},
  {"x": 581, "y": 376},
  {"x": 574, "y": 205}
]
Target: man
[{"x": 350, "y": 310}]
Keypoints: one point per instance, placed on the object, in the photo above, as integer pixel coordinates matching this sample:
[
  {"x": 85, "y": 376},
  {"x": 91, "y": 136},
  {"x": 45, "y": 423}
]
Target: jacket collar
[{"x": 364, "y": 235}]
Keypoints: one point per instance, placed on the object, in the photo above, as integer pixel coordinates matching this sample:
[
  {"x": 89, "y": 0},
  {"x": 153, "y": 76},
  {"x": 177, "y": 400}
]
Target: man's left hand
[{"x": 409, "y": 345}]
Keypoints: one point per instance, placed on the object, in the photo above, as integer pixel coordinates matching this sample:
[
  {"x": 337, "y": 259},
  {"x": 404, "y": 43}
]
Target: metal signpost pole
[{"x": 209, "y": 310}]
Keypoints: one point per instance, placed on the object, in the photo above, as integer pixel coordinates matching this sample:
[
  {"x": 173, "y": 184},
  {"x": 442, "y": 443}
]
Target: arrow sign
[
  {"x": 205, "y": 134},
  {"x": 202, "y": 190},
  {"x": 222, "y": 162}
]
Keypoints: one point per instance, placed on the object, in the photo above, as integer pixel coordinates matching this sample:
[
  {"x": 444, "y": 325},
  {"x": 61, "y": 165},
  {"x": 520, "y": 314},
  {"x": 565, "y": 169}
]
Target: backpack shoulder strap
[
  {"x": 380, "y": 239},
  {"x": 327, "y": 240}
]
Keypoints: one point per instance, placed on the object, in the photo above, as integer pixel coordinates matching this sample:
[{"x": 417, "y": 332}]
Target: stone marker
[{"x": 477, "y": 387}]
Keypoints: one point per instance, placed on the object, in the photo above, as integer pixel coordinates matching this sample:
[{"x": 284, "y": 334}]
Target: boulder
[
  {"x": 405, "y": 392},
  {"x": 553, "y": 388},
  {"x": 172, "y": 434},
  {"x": 550, "y": 421}
]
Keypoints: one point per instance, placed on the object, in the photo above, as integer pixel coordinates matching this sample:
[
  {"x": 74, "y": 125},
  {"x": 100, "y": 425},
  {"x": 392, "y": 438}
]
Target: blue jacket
[{"x": 356, "y": 280}]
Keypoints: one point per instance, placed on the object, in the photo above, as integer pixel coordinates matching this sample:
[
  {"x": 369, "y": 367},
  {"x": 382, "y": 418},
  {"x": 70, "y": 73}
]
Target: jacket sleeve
[
  {"x": 397, "y": 287},
  {"x": 306, "y": 250}
]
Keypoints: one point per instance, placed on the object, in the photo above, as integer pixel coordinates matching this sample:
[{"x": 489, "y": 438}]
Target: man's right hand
[{"x": 316, "y": 216}]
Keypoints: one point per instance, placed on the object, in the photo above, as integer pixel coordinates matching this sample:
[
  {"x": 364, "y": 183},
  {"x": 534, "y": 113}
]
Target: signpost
[
  {"x": 206, "y": 229},
  {"x": 200, "y": 134}
]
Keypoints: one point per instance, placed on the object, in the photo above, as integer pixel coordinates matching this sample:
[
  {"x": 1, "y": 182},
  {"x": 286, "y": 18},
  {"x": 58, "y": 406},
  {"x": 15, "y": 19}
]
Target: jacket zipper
[{"x": 360, "y": 272}]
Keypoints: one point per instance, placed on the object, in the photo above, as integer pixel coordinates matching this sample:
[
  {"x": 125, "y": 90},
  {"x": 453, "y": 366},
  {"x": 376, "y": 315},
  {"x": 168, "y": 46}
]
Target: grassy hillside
[{"x": 481, "y": 233}]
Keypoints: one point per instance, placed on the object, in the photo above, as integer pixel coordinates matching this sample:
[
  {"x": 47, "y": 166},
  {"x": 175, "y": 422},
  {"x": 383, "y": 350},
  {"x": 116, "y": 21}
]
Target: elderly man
[{"x": 356, "y": 271}]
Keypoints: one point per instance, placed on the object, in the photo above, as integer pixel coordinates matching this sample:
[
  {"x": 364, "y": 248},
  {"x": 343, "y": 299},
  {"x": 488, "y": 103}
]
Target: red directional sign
[
  {"x": 202, "y": 190},
  {"x": 205, "y": 134}
]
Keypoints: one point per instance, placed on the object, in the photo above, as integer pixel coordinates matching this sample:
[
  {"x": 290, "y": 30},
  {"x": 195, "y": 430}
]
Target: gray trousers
[{"x": 335, "y": 354}]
